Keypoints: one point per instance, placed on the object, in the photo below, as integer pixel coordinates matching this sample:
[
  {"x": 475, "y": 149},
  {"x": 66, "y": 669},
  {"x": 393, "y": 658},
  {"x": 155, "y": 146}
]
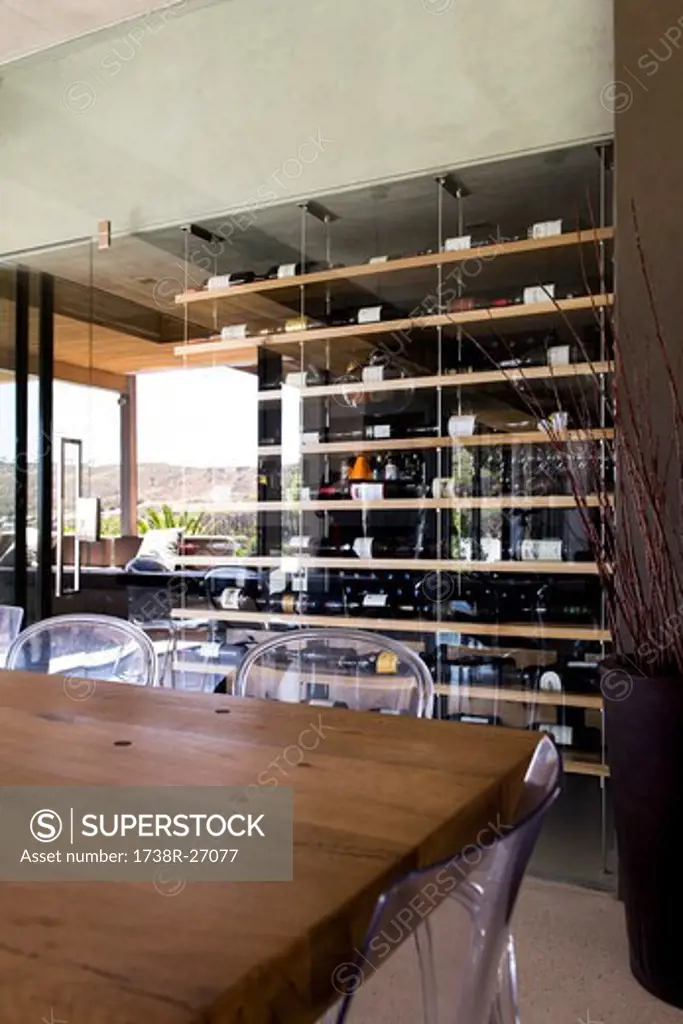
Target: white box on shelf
[
  {"x": 558, "y": 355},
  {"x": 229, "y": 599},
  {"x": 367, "y": 492},
  {"x": 378, "y": 259},
  {"x": 545, "y": 228},
  {"x": 381, "y": 431},
  {"x": 539, "y": 293},
  {"x": 362, "y": 547},
  {"x": 300, "y": 582},
  {"x": 369, "y": 314},
  {"x": 443, "y": 487},
  {"x": 372, "y": 374},
  {"x": 461, "y": 426},
  {"x": 541, "y": 550},
  {"x": 310, "y": 437},
  {"x": 286, "y": 270},
  {"x": 210, "y": 649},
  {"x": 562, "y": 734},
  {"x": 233, "y": 331},
  {"x": 218, "y": 281},
  {"x": 296, "y": 379},
  {"x": 298, "y": 544},
  {"x": 550, "y": 682},
  {"x": 557, "y": 422},
  {"x": 457, "y": 242}
]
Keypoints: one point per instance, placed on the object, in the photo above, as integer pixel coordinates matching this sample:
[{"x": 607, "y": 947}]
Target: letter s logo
[{"x": 46, "y": 826}]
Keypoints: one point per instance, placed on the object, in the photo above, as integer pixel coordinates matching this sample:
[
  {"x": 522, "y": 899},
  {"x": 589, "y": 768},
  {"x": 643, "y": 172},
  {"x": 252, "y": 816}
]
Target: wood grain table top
[{"x": 374, "y": 796}]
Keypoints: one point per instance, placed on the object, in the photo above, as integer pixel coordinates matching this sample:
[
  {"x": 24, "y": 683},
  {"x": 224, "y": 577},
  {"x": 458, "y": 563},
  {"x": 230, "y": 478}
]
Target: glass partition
[{"x": 359, "y": 412}]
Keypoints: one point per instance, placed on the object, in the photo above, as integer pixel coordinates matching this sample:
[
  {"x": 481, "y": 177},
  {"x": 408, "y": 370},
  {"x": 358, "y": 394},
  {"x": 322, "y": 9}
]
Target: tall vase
[{"x": 644, "y": 734}]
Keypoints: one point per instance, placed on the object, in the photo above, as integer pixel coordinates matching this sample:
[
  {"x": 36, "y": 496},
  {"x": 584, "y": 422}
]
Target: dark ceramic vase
[{"x": 644, "y": 734}]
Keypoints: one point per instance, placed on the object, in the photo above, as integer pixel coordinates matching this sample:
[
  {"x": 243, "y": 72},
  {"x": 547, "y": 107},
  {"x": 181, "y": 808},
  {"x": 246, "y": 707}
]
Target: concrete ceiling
[{"x": 27, "y": 26}]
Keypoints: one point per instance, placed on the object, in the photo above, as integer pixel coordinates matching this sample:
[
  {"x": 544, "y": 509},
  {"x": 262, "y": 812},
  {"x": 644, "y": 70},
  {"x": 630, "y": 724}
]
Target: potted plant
[{"x": 637, "y": 541}]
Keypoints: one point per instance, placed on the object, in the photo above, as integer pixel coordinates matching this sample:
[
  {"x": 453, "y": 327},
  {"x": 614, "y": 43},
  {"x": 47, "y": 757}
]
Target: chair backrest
[
  {"x": 10, "y": 625},
  {"x": 86, "y": 646},
  {"x": 459, "y": 910},
  {"x": 338, "y": 667}
]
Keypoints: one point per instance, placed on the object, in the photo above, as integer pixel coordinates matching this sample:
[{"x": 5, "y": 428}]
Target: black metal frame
[
  {"x": 22, "y": 368},
  {"x": 44, "y": 581}
]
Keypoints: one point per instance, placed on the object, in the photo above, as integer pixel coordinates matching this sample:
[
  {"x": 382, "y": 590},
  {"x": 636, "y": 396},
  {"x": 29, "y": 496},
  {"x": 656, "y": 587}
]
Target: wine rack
[
  {"x": 523, "y": 248},
  {"x": 407, "y": 482},
  {"x": 454, "y": 380}
]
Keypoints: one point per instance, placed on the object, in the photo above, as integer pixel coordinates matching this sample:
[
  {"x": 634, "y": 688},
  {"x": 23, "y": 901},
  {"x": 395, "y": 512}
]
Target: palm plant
[{"x": 166, "y": 518}]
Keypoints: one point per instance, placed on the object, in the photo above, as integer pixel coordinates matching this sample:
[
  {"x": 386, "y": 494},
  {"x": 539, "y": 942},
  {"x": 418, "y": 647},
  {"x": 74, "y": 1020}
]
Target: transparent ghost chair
[
  {"x": 440, "y": 949},
  {"x": 338, "y": 668},
  {"x": 10, "y": 625},
  {"x": 86, "y": 646}
]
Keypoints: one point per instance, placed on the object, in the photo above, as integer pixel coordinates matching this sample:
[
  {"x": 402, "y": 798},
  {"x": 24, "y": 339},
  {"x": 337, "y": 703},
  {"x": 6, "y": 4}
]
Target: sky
[{"x": 204, "y": 417}]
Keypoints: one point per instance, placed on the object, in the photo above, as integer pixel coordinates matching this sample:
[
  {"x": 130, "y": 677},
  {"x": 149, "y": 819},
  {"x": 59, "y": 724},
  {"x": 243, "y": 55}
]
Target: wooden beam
[{"x": 90, "y": 376}]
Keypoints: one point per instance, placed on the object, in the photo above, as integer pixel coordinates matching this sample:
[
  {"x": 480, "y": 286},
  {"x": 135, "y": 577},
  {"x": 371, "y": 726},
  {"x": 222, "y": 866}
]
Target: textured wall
[
  {"x": 165, "y": 119},
  {"x": 648, "y": 98}
]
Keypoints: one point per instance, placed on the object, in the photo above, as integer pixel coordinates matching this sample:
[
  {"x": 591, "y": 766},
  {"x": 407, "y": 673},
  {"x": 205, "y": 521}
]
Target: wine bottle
[
  {"x": 380, "y": 366},
  {"x": 378, "y": 431},
  {"x": 566, "y": 676},
  {"x": 231, "y": 279},
  {"x": 341, "y": 317},
  {"x": 357, "y": 434},
  {"x": 374, "y": 663},
  {"x": 251, "y": 597},
  {"x": 300, "y": 323},
  {"x": 575, "y": 736},
  {"x": 375, "y": 314},
  {"x": 537, "y": 535},
  {"x": 284, "y": 601},
  {"x": 569, "y": 600},
  {"x": 390, "y": 469},
  {"x": 284, "y": 270},
  {"x": 376, "y": 602},
  {"x": 468, "y": 719},
  {"x": 405, "y": 603}
]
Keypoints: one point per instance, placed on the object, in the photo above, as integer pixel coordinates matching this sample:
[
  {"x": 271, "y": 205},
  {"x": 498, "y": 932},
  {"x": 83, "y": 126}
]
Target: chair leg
[
  {"x": 505, "y": 1006},
  {"x": 425, "y": 957}
]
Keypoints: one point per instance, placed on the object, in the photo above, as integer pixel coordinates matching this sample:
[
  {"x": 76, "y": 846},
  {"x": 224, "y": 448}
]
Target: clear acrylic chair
[
  {"x": 338, "y": 668},
  {"x": 439, "y": 949},
  {"x": 86, "y": 646},
  {"x": 11, "y": 619}
]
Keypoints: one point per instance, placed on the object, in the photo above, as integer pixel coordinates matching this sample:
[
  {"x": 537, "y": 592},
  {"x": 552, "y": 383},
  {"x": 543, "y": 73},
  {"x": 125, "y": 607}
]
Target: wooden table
[{"x": 376, "y": 796}]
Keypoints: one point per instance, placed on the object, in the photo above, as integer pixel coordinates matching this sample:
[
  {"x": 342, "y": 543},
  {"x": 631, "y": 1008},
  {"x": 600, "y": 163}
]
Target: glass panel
[
  {"x": 306, "y": 437},
  {"x": 7, "y": 433}
]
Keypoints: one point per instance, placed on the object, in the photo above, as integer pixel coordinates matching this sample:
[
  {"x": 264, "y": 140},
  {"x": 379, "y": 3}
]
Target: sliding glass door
[{"x": 25, "y": 438}]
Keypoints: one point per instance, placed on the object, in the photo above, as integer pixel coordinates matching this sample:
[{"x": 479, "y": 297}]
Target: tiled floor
[
  {"x": 572, "y": 958},
  {"x": 573, "y": 961}
]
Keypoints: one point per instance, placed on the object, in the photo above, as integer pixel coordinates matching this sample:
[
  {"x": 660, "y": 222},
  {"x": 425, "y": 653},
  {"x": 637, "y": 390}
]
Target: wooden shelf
[
  {"x": 295, "y": 563},
  {"x": 523, "y": 629},
  {"x": 448, "y": 380},
  {"x": 407, "y": 263},
  {"x": 575, "y": 766},
  {"x": 475, "y": 441},
  {"x": 205, "y": 668},
  {"x": 505, "y": 696},
  {"x": 400, "y": 504},
  {"x": 496, "y": 315}
]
